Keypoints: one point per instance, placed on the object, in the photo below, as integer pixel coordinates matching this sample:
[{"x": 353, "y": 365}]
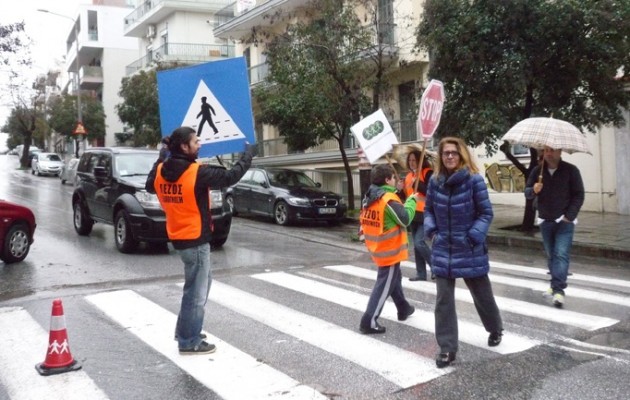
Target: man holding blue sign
[{"x": 183, "y": 188}]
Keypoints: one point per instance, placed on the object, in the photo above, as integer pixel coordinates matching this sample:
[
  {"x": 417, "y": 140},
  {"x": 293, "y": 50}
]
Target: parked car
[
  {"x": 110, "y": 189},
  {"x": 285, "y": 195},
  {"x": 17, "y": 229},
  {"x": 69, "y": 171},
  {"x": 46, "y": 164}
]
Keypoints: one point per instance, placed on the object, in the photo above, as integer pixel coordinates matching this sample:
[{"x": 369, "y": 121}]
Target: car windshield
[
  {"x": 52, "y": 157},
  {"x": 135, "y": 163},
  {"x": 288, "y": 178}
]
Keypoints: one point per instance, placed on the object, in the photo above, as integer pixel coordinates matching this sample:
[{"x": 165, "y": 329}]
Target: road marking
[
  {"x": 578, "y": 277},
  {"x": 401, "y": 367},
  {"x": 23, "y": 346},
  {"x": 470, "y": 333},
  {"x": 229, "y": 372},
  {"x": 561, "y": 316}
]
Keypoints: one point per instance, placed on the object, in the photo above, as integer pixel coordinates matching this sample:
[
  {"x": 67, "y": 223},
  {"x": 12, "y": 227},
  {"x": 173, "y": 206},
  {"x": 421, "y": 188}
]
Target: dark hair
[
  {"x": 380, "y": 173},
  {"x": 416, "y": 153},
  {"x": 178, "y": 137}
]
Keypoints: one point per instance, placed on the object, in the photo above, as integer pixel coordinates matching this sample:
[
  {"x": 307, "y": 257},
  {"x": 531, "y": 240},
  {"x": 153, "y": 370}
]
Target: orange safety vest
[
  {"x": 386, "y": 247},
  {"x": 183, "y": 219},
  {"x": 408, "y": 188}
]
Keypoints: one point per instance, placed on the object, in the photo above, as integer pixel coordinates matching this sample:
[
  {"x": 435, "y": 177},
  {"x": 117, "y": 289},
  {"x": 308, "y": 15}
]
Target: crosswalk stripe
[
  {"x": 230, "y": 373},
  {"x": 541, "y": 287},
  {"x": 566, "y": 317},
  {"x": 575, "y": 276},
  {"x": 470, "y": 333},
  {"x": 571, "y": 291},
  {"x": 24, "y": 344},
  {"x": 401, "y": 367}
]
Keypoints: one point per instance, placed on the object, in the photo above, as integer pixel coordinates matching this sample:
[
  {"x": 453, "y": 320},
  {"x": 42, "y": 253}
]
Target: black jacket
[
  {"x": 208, "y": 177},
  {"x": 562, "y": 192}
]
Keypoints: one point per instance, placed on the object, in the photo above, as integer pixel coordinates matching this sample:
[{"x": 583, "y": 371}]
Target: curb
[{"x": 577, "y": 249}]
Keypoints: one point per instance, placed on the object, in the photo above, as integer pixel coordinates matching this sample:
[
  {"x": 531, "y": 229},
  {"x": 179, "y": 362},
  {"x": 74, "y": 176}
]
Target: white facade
[{"x": 104, "y": 52}]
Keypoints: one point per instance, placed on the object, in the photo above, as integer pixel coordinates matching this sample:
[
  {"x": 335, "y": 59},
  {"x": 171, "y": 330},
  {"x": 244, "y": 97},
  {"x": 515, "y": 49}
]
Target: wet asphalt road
[{"x": 61, "y": 263}]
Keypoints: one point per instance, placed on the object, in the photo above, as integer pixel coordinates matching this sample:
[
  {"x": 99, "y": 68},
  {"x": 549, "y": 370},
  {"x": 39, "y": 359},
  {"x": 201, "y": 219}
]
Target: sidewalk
[{"x": 596, "y": 234}]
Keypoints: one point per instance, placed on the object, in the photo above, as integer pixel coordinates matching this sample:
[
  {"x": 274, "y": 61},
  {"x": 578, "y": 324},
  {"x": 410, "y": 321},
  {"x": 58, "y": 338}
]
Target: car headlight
[
  {"x": 216, "y": 199},
  {"x": 147, "y": 200},
  {"x": 298, "y": 201}
]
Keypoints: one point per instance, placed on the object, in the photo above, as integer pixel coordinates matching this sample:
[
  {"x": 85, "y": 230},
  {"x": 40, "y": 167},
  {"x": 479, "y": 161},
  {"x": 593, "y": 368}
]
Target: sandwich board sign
[
  {"x": 214, "y": 99},
  {"x": 375, "y": 135}
]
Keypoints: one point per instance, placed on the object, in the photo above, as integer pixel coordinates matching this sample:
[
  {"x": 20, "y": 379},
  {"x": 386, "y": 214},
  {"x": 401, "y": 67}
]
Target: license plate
[{"x": 327, "y": 210}]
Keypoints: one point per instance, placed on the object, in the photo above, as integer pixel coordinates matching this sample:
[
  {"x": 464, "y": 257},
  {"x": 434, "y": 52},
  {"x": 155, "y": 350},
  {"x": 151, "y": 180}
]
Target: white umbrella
[{"x": 551, "y": 132}]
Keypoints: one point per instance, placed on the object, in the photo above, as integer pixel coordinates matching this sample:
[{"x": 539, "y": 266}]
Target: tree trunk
[{"x": 346, "y": 167}]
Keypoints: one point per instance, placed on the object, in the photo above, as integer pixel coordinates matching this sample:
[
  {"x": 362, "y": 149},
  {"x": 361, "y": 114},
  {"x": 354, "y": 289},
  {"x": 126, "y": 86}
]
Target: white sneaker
[
  {"x": 548, "y": 292},
  {"x": 558, "y": 300}
]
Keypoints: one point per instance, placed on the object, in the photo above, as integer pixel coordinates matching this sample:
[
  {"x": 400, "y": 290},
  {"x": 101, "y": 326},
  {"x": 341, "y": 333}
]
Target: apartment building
[
  {"x": 196, "y": 31},
  {"x": 175, "y": 31},
  {"x": 405, "y": 77},
  {"x": 97, "y": 46}
]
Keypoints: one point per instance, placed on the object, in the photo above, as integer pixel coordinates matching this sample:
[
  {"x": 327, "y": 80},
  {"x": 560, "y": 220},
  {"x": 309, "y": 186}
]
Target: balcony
[
  {"x": 258, "y": 73},
  {"x": 91, "y": 77},
  {"x": 155, "y": 11},
  {"x": 244, "y": 21},
  {"x": 186, "y": 53},
  {"x": 405, "y": 131}
]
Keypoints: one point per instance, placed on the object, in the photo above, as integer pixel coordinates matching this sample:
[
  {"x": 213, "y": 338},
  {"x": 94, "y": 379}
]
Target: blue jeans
[
  {"x": 198, "y": 278},
  {"x": 557, "y": 239},
  {"x": 421, "y": 250}
]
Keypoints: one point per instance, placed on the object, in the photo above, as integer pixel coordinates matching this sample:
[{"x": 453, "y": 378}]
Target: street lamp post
[{"x": 76, "y": 76}]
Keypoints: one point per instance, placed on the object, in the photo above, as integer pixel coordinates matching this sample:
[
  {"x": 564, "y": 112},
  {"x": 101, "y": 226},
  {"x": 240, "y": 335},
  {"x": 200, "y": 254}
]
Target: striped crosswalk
[{"x": 319, "y": 310}]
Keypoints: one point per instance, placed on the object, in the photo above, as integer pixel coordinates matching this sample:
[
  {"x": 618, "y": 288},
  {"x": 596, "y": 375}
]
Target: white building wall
[
  {"x": 113, "y": 62},
  {"x": 622, "y": 165},
  {"x": 117, "y": 51}
]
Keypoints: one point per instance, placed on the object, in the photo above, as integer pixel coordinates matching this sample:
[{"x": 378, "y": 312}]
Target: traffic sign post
[{"x": 431, "y": 106}]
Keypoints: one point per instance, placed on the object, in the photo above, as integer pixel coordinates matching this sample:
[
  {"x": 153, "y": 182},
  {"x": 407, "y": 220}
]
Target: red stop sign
[{"x": 431, "y": 107}]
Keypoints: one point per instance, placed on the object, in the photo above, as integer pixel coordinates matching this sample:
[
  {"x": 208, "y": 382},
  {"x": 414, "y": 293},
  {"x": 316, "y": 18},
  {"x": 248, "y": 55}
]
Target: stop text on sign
[{"x": 431, "y": 110}]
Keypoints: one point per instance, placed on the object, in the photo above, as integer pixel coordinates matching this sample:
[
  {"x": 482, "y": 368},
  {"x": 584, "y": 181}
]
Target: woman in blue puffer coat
[{"x": 457, "y": 216}]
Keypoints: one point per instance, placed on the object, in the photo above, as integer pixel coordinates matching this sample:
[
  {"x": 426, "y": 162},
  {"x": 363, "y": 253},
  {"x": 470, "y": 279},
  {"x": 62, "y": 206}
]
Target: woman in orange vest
[
  {"x": 384, "y": 221},
  {"x": 422, "y": 252}
]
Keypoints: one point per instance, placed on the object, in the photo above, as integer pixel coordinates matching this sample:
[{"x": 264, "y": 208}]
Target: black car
[
  {"x": 285, "y": 195},
  {"x": 110, "y": 189}
]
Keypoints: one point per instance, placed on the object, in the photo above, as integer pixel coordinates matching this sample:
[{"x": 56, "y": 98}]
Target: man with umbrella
[
  {"x": 559, "y": 195},
  {"x": 556, "y": 188}
]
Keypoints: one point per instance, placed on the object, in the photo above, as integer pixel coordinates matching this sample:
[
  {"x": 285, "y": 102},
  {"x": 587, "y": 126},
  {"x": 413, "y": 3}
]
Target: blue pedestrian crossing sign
[{"x": 214, "y": 99}]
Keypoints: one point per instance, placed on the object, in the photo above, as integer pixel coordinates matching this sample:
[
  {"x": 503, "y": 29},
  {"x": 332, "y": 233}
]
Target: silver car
[
  {"x": 46, "y": 164},
  {"x": 69, "y": 172}
]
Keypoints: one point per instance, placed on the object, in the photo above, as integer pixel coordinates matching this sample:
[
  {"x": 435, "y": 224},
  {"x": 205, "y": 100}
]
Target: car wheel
[
  {"x": 125, "y": 243},
  {"x": 82, "y": 222},
  {"x": 230, "y": 202},
  {"x": 281, "y": 213},
  {"x": 16, "y": 244}
]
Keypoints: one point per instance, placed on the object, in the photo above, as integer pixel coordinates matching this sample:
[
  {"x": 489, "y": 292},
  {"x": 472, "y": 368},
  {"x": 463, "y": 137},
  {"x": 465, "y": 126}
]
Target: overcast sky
[{"x": 48, "y": 32}]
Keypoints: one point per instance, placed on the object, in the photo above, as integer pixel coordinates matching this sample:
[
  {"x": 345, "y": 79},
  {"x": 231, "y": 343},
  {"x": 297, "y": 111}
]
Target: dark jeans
[
  {"x": 557, "y": 239},
  {"x": 421, "y": 250}
]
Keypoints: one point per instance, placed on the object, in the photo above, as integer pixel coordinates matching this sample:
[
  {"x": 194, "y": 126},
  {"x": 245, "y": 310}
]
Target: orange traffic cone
[{"x": 58, "y": 356}]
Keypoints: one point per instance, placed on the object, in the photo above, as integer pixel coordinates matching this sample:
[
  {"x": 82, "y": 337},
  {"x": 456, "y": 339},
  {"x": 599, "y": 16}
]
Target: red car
[{"x": 17, "y": 226}]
